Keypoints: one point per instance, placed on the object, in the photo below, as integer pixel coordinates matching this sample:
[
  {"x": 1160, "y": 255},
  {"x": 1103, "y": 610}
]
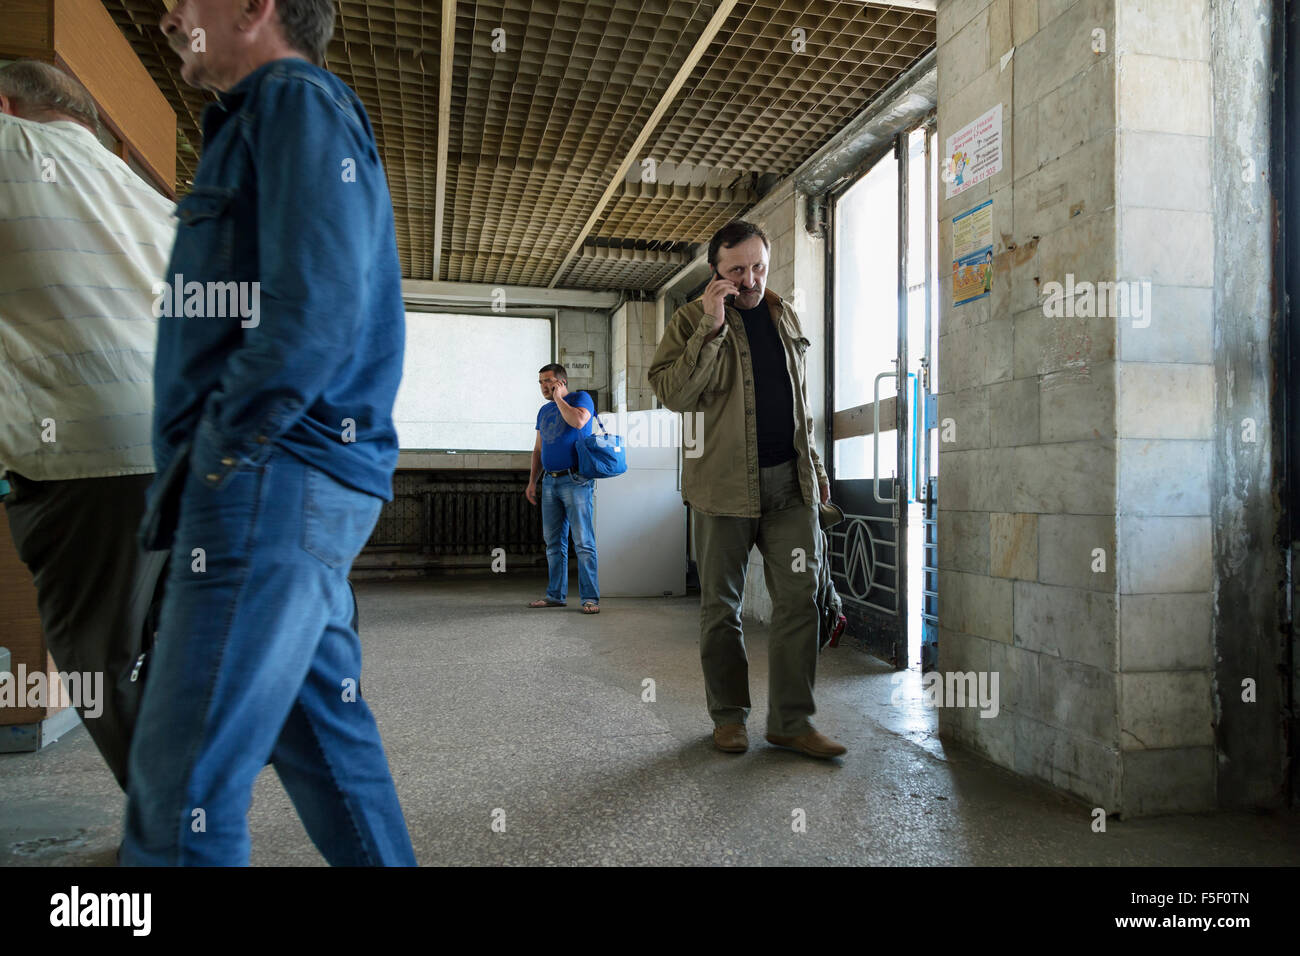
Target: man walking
[
  {"x": 82, "y": 241},
  {"x": 758, "y": 481},
  {"x": 566, "y": 495},
  {"x": 275, "y": 446}
]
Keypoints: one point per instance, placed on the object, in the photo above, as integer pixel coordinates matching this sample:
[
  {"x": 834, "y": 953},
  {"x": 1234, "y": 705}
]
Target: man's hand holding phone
[{"x": 717, "y": 296}]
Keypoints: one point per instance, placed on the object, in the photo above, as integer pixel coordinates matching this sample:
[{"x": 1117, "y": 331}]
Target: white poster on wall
[{"x": 973, "y": 153}]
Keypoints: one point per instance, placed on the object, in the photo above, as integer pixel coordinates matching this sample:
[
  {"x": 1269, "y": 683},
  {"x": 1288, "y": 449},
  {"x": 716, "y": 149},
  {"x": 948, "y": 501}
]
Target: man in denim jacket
[{"x": 281, "y": 330}]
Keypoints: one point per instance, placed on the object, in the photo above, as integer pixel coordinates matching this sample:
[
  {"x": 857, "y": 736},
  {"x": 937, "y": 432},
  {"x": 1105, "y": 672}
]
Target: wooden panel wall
[
  {"x": 96, "y": 53},
  {"x": 28, "y": 29},
  {"x": 20, "y": 622}
]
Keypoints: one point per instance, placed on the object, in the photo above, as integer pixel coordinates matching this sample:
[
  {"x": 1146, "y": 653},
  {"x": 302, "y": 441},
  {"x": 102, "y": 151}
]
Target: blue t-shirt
[{"x": 559, "y": 438}]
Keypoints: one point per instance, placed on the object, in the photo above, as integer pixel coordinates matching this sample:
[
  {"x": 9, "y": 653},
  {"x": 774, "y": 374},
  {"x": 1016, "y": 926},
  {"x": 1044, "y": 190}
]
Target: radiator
[{"x": 445, "y": 515}]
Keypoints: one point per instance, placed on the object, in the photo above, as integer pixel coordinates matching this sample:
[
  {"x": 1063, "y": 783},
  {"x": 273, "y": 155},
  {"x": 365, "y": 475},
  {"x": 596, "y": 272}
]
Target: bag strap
[{"x": 596, "y": 418}]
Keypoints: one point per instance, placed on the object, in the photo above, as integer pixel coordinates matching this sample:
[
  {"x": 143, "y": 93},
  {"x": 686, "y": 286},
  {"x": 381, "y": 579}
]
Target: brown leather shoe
[
  {"x": 812, "y": 743},
  {"x": 731, "y": 738}
]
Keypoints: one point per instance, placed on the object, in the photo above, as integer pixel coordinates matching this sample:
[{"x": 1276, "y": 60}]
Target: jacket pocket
[
  {"x": 203, "y": 202},
  {"x": 205, "y": 237},
  {"x": 801, "y": 347},
  {"x": 722, "y": 377}
]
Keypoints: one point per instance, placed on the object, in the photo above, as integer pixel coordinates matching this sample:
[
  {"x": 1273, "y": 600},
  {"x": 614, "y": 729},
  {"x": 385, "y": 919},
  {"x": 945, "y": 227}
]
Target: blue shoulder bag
[{"x": 601, "y": 456}]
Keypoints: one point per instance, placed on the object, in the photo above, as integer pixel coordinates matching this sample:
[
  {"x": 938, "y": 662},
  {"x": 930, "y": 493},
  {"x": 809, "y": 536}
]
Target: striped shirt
[{"x": 83, "y": 240}]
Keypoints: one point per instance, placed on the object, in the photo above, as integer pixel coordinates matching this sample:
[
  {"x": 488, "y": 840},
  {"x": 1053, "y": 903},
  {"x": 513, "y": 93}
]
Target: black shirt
[{"x": 774, "y": 400}]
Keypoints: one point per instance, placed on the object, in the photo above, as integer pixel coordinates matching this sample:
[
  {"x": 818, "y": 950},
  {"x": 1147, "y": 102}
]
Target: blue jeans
[
  {"x": 567, "y": 504},
  {"x": 258, "y": 660}
]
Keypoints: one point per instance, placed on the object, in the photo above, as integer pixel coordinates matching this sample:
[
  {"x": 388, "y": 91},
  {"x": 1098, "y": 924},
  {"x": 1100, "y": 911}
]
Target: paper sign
[
  {"x": 974, "y": 153},
  {"x": 972, "y": 253},
  {"x": 577, "y": 364}
]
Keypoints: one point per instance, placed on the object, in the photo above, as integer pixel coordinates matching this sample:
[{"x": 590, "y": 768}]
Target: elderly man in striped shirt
[{"x": 83, "y": 240}]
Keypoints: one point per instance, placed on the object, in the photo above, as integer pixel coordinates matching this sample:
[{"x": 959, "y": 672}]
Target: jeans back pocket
[{"x": 337, "y": 520}]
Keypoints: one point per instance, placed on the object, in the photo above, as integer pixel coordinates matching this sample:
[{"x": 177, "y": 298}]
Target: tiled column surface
[
  {"x": 1074, "y": 535},
  {"x": 1165, "y": 404},
  {"x": 634, "y": 344},
  {"x": 584, "y": 331}
]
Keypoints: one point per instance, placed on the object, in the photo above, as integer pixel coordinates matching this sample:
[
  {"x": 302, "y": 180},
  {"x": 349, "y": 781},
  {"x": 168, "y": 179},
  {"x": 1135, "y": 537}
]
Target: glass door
[
  {"x": 867, "y": 417},
  {"x": 881, "y": 396}
]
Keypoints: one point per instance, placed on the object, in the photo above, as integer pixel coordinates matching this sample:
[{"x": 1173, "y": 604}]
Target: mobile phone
[{"x": 727, "y": 300}]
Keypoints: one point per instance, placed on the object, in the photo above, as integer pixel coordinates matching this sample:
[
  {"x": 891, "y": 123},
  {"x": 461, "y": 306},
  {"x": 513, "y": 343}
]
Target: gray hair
[
  {"x": 39, "y": 91},
  {"x": 307, "y": 25}
]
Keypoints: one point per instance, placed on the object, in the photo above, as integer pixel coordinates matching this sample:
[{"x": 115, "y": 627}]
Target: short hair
[
  {"x": 555, "y": 367},
  {"x": 733, "y": 234},
  {"x": 38, "y": 89},
  {"x": 307, "y": 25}
]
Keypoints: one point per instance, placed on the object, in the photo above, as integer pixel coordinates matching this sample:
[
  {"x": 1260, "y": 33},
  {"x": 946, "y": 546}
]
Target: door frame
[{"x": 898, "y": 146}]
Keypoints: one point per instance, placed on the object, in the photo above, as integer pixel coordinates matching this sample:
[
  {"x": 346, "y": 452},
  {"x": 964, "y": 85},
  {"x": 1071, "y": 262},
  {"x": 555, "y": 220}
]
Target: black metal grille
[{"x": 466, "y": 513}]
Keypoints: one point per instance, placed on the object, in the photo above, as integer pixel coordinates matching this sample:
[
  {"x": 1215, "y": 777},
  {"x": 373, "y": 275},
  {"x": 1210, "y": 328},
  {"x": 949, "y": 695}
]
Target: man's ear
[
  {"x": 254, "y": 14},
  {"x": 7, "y": 106}
]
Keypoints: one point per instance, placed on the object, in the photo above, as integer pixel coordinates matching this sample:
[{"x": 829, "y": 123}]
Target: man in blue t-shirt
[{"x": 566, "y": 495}]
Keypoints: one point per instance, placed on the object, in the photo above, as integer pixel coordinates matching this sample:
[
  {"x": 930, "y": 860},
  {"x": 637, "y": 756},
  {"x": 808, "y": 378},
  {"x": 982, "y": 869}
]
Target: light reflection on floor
[
  {"x": 905, "y": 712},
  {"x": 910, "y": 716}
]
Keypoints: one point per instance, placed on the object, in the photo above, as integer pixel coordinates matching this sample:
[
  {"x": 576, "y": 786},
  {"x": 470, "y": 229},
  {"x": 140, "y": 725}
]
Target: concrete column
[
  {"x": 1098, "y": 492},
  {"x": 1027, "y": 477},
  {"x": 634, "y": 342},
  {"x": 1165, "y": 404}
]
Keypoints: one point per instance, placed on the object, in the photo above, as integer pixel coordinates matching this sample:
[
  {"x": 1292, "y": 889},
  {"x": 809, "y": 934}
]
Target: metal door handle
[{"x": 875, "y": 440}]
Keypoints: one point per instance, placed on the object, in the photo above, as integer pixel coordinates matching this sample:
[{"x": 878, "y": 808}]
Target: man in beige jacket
[{"x": 736, "y": 356}]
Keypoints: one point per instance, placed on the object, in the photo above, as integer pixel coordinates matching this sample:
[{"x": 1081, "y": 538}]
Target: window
[{"x": 469, "y": 382}]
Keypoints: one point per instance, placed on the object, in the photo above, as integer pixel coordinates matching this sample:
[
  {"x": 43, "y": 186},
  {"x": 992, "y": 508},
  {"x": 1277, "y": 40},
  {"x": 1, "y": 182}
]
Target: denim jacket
[
  {"x": 715, "y": 380},
  {"x": 281, "y": 318}
]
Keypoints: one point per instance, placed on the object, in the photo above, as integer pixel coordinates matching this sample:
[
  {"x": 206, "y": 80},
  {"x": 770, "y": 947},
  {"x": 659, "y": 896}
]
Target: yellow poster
[{"x": 972, "y": 254}]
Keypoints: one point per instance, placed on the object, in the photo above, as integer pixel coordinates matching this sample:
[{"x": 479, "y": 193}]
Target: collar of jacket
[
  {"x": 781, "y": 314},
  {"x": 229, "y": 102}
]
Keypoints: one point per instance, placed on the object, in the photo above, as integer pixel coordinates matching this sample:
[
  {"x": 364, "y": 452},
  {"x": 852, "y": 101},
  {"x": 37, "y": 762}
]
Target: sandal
[
  {"x": 590, "y": 607},
  {"x": 546, "y": 602}
]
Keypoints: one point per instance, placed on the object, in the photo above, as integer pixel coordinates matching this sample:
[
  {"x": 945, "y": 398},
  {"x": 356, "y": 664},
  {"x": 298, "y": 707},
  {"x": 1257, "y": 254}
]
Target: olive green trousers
[{"x": 786, "y": 537}]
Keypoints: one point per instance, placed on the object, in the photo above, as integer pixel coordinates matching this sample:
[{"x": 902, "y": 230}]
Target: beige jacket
[{"x": 715, "y": 380}]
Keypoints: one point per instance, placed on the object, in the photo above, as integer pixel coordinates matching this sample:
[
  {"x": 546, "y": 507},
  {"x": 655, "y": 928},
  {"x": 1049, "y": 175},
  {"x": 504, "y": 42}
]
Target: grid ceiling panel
[
  {"x": 604, "y": 268},
  {"x": 389, "y": 53},
  {"x": 682, "y": 213},
  {"x": 538, "y": 129},
  {"x": 541, "y": 126},
  {"x": 753, "y": 103}
]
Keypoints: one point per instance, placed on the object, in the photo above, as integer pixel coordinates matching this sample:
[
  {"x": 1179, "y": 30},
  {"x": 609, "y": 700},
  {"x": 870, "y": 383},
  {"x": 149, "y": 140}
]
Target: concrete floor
[{"x": 485, "y": 704}]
